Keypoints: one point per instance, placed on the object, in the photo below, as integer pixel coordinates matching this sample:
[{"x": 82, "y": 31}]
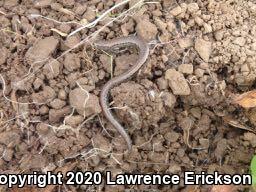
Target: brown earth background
[{"x": 177, "y": 109}]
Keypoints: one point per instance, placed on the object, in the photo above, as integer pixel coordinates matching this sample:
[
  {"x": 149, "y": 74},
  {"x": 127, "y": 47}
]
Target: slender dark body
[{"x": 143, "y": 55}]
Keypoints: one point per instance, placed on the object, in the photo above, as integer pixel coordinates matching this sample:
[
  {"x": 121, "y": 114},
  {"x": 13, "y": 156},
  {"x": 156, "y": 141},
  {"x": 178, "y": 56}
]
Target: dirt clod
[
  {"x": 42, "y": 50},
  {"x": 177, "y": 82},
  {"x": 86, "y": 104},
  {"x": 203, "y": 48}
]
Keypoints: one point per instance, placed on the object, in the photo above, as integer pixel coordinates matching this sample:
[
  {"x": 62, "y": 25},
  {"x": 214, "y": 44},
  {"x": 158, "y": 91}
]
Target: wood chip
[{"x": 246, "y": 100}]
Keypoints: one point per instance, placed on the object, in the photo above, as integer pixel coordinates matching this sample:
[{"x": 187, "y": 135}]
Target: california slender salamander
[{"x": 143, "y": 55}]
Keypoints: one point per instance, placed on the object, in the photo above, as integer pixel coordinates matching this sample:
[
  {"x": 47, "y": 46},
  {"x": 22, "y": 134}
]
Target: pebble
[
  {"x": 42, "y": 129},
  {"x": 43, "y": 110},
  {"x": 177, "y": 82},
  {"x": 196, "y": 112},
  {"x": 251, "y": 138},
  {"x": 171, "y": 136},
  {"x": 71, "y": 41},
  {"x": 203, "y": 48},
  {"x": 57, "y": 104},
  {"x": 52, "y": 69},
  {"x": 62, "y": 94},
  {"x": 71, "y": 62},
  {"x": 192, "y": 8},
  {"x": 55, "y": 115},
  {"x": 42, "y": 49},
  {"x": 37, "y": 83},
  {"x": 90, "y": 14},
  {"x": 185, "y": 43},
  {"x": 176, "y": 11},
  {"x": 240, "y": 41},
  {"x": 146, "y": 30},
  {"x": 207, "y": 28},
  {"x": 9, "y": 138},
  {"x": 74, "y": 120},
  {"x": 186, "y": 68},
  {"x": 43, "y": 96},
  {"x": 174, "y": 168},
  {"x": 162, "y": 83},
  {"x": 199, "y": 72},
  {"x": 8, "y": 154},
  {"x": 169, "y": 99},
  {"x": 77, "y": 97}
]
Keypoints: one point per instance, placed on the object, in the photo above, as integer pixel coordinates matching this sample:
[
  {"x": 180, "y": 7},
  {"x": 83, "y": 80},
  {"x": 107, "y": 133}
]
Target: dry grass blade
[
  {"x": 246, "y": 100},
  {"x": 59, "y": 32},
  {"x": 237, "y": 124}
]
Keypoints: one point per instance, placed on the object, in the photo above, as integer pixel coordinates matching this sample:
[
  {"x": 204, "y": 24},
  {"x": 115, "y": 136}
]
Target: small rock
[
  {"x": 160, "y": 24},
  {"x": 49, "y": 93},
  {"x": 65, "y": 28},
  {"x": 38, "y": 83},
  {"x": 42, "y": 129},
  {"x": 90, "y": 14},
  {"x": 176, "y": 11},
  {"x": 180, "y": 152},
  {"x": 62, "y": 94},
  {"x": 186, "y": 68},
  {"x": 251, "y": 138},
  {"x": 9, "y": 138},
  {"x": 172, "y": 136},
  {"x": 86, "y": 104},
  {"x": 240, "y": 41},
  {"x": 169, "y": 99},
  {"x": 185, "y": 43},
  {"x": 207, "y": 28},
  {"x": 174, "y": 168},
  {"x": 204, "y": 66},
  {"x": 43, "y": 110},
  {"x": 8, "y": 154},
  {"x": 203, "y": 48},
  {"x": 52, "y": 69},
  {"x": 196, "y": 112},
  {"x": 80, "y": 9},
  {"x": 55, "y": 115},
  {"x": 57, "y": 104},
  {"x": 177, "y": 82},
  {"x": 162, "y": 83},
  {"x": 204, "y": 143},
  {"x": 74, "y": 120},
  {"x": 11, "y": 3},
  {"x": 199, "y": 21},
  {"x": 72, "y": 62},
  {"x": 146, "y": 30},
  {"x": 71, "y": 41},
  {"x": 192, "y": 8},
  {"x": 199, "y": 72},
  {"x": 219, "y": 35},
  {"x": 41, "y": 50}
]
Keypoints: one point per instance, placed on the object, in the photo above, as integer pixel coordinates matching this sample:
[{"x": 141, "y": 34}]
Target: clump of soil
[{"x": 201, "y": 54}]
